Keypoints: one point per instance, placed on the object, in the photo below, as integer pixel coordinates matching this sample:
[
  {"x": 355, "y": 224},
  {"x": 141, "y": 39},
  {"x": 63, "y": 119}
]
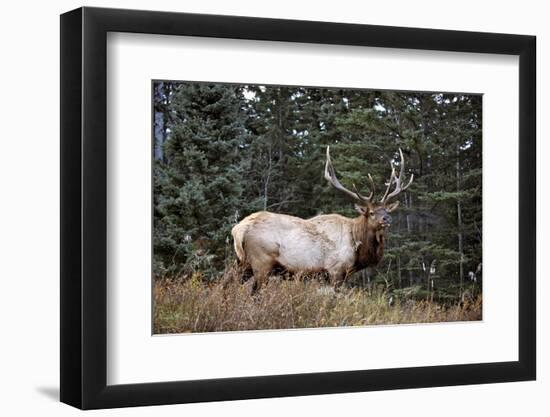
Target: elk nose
[{"x": 387, "y": 218}]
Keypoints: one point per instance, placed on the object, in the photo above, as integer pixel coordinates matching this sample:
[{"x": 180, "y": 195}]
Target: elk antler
[
  {"x": 396, "y": 180},
  {"x": 330, "y": 176}
]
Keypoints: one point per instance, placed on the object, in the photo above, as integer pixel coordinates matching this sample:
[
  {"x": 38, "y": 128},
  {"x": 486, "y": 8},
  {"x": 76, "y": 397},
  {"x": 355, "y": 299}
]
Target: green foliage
[{"x": 198, "y": 188}]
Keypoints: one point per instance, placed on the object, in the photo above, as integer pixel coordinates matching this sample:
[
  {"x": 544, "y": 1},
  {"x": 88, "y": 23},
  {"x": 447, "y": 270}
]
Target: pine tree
[{"x": 198, "y": 188}]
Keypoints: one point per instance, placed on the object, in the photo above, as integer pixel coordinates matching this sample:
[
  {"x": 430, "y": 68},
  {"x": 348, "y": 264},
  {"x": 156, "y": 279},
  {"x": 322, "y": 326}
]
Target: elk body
[{"x": 333, "y": 243}]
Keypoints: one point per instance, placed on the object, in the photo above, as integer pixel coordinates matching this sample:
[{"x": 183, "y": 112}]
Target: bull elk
[{"x": 333, "y": 243}]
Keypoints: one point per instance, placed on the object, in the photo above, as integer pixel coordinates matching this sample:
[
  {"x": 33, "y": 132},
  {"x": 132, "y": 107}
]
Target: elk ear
[
  {"x": 364, "y": 210},
  {"x": 391, "y": 207}
]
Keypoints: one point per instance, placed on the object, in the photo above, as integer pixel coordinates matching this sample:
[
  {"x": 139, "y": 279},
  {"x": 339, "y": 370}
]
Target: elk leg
[
  {"x": 261, "y": 271},
  {"x": 337, "y": 277}
]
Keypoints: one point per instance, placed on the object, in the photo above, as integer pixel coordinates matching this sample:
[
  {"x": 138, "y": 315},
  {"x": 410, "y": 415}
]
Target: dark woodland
[{"x": 224, "y": 151}]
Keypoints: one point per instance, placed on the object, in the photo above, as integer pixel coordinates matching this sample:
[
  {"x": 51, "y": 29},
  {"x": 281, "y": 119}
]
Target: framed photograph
[{"x": 256, "y": 208}]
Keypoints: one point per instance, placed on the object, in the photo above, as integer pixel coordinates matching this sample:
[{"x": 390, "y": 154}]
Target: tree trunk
[
  {"x": 408, "y": 203},
  {"x": 398, "y": 254},
  {"x": 267, "y": 177},
  {"x": 399, "y": 270},
  {"x": 159, "y": 136},
  {"x": 459, "y": 221},
  {"x": 159, "y": 122}
]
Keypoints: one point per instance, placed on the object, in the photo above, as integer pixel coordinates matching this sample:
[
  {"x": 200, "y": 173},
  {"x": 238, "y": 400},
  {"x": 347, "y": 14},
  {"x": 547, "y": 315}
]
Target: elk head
[{"x": 377, "y": 213}]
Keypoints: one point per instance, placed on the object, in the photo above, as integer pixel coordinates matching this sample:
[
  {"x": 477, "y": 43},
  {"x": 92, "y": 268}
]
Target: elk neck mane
[{"x": 370, "y": 243}]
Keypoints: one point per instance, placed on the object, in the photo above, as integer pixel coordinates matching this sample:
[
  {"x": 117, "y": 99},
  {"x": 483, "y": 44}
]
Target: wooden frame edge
[{"x": 83, "y": 208}]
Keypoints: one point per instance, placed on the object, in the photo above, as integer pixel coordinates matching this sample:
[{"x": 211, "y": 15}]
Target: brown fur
[
  {"x": 371, "y": 243},
  {"x": 336, "y": 244},
  {"x": 333, "y": 243}
]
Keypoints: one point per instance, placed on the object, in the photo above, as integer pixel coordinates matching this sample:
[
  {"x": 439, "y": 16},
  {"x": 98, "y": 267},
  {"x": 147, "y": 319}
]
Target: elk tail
[{"x": 238, "y": 233}]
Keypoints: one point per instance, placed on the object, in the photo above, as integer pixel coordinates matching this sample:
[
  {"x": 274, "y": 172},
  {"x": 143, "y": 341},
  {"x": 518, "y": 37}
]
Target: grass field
[{"x": 192, "y": 305}]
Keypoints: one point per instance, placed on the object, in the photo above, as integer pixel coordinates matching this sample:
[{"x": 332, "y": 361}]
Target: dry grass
[{"x": 191, "y": 305}]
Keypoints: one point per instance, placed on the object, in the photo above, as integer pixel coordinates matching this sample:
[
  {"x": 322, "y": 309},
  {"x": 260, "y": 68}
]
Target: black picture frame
[{"x": 84, "y": 207}]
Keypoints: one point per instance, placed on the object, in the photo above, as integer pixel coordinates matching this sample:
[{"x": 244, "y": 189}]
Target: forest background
[{"x": 224, "y": 151}]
